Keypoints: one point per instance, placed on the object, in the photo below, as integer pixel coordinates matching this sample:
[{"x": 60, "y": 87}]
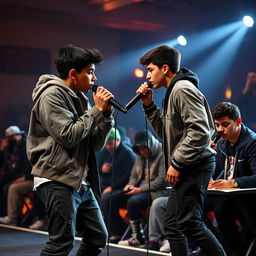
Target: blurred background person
[
  {"x": 247, "y": 101},
  {"x": 14, "y": 165},
  {"x": 146, "y": 182},
  {"x": 115, "y": 163}
]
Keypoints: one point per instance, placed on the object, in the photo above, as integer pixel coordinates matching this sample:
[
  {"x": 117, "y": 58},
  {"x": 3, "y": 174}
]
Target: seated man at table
[{"x": 235, "y": 168}]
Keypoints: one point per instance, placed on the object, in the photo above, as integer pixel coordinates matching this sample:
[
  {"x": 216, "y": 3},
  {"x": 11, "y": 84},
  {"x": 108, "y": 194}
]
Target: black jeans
[
  {"x": 66, "y": 209},
  {"x": 185, "y": 209}
]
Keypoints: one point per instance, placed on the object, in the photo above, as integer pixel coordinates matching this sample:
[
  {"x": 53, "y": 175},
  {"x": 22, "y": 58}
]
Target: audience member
[
  {"x": 235, "y": 168},
  {"x": 15, "y": 199},
  {"x": 147, "y": 182},
  {"x": 114, "y": 178},
  {"x": 157, "y": 240},
  {"x": 14, "y": 165},
  {"x": 247, "y": 101}
]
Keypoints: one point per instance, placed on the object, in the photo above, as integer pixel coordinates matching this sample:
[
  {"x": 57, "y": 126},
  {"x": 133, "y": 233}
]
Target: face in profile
[
  {"x": 156, "y": 75},
  {"x": 85, "y": 79}
]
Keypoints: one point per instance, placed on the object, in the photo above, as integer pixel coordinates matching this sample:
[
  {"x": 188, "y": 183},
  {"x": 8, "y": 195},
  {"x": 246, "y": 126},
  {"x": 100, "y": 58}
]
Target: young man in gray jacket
[
  {"x": 185, "y": 129},
  {"x": 64, "y": 133}
]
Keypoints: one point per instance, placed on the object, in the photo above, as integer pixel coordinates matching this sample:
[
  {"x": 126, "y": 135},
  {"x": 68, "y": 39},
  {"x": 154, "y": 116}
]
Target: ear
[
  {"x": 165, "y": 68},
  {"x": 72, "y": 74},
  {"x": 239, "y": 120}
]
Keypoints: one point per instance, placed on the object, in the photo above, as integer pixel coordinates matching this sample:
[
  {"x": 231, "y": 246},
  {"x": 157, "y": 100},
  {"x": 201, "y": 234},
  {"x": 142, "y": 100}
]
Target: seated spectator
[
  {"x": 138, "y": 194},
  {"x": 114, "y": 178},
  {"x": 157, "y": 239},
  {"x": 235, "y": 168},
  {"x": 16, "y": 193},
  {"x": 14, "y": 165}
]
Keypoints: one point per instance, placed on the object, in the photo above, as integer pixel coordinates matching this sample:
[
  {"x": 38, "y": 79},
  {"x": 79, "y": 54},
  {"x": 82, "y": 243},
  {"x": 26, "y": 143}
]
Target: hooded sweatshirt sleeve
[{"x": 191, "y": 106}]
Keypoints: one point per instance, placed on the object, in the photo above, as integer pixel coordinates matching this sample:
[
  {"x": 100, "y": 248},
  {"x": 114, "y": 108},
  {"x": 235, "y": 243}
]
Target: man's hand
[
  {"x": 4, "y": 144},
  {"x": 131, "y": 190},
  {"x": 106, "y": 190},
  {"x": 221, "y": 184},
  {"x": 147, "y": 94},
  {"x": 172, "y": 176},
  {"x": 106, "y": 168},
  {"x": 101, "y": 98},
  {"x": 213, "y": 145}
]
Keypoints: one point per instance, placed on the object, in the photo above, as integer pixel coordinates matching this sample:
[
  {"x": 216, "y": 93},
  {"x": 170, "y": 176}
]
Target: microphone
[
  {"x": 136, "y": 98},
  {"x": 216, "y": 136},
  {"x": 112, "y": 101}
]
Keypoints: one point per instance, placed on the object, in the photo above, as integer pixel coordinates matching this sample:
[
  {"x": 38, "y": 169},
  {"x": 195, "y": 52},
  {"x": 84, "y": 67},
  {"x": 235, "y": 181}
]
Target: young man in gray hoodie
[
  {"x": 64, "y": 133},
  {"x": 185, "y": 127}
]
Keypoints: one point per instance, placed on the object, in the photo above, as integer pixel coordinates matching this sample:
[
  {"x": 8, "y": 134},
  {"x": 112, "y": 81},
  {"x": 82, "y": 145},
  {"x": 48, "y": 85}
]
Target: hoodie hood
[
  {"x": 144, "y": 138},
  {"x": 185, "y": 74},
  {"x": 46, "y": 81}
]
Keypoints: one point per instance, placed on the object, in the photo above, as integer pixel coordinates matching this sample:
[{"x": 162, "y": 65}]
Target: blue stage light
[{"x": 182, "y": 40}]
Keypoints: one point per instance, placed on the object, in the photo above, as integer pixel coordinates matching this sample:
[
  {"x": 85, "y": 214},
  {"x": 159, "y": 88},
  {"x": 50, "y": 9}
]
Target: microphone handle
[
  {"x": 136, "y": 98},
  {"x": 216, "y": 137},
  {"x": 112, "y": 101},
  {"x": 117, "y": 105},
  {"x": 133, "y": 101}
]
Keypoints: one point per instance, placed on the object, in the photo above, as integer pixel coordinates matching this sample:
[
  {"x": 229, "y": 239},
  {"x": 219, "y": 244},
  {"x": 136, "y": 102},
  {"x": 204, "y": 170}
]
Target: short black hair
[
  {"x": 226, "y": 109},
  {"x": 162, "y": 55},
  {"x": 73, "y": 57}
]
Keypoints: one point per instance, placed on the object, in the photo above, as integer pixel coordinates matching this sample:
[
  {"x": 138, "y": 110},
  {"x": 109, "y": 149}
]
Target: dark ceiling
[{"x": 138, "y": 15}]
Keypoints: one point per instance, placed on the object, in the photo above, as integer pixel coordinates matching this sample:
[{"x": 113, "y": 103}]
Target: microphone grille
[{"x": 94, "y": 87}]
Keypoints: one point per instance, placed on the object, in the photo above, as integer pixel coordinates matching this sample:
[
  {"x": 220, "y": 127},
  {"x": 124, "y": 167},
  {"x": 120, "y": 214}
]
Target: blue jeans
[
  {"x": 66, "y": 209},
  {"x": 185, "y": 210}
]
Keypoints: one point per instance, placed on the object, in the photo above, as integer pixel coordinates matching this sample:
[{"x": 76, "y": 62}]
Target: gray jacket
[
  {"x": 156, "y": 172},
  {"x": 186, "y": 124},
  {"x": 64, "y": 133}
]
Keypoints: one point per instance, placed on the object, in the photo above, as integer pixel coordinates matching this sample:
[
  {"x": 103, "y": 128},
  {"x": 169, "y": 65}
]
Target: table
[{"x": 237, "y": 195}]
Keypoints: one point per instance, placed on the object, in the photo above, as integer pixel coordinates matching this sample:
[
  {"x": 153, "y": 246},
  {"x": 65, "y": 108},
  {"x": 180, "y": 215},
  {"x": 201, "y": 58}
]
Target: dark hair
[
  {"x": 72, "y": 57},
  {"x": 163, "y": 55},
  {"x": 226, "y": 109}
]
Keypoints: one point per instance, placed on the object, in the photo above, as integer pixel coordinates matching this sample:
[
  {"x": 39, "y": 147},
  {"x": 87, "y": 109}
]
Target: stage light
[
  {"x": 248, "y": 21},
  {"x": 138, "y": 72},
  {"x": 182, "y": 40},
  {"x": 228, "y": 93}
]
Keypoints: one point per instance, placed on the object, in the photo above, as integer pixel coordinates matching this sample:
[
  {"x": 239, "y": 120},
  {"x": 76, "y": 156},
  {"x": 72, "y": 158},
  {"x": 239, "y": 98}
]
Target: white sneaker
[
  {"x": 38, "y": 224},
  {"x": 165, "y": 247},
  {"x": 8, "y": 221}
]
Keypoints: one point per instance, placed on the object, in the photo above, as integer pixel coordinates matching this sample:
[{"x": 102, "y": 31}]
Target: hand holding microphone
[
  {"x": 145, "y": 93},
  {"x": 103, "y": 98},
  {"x": 216, "y": 136}
]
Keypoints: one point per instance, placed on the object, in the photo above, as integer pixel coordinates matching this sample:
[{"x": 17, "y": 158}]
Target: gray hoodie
[{"x": 64, "y": 132}]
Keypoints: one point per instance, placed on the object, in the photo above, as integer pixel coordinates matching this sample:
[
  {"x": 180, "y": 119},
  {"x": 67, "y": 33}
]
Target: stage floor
[{"x": 15, "y": 241}]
